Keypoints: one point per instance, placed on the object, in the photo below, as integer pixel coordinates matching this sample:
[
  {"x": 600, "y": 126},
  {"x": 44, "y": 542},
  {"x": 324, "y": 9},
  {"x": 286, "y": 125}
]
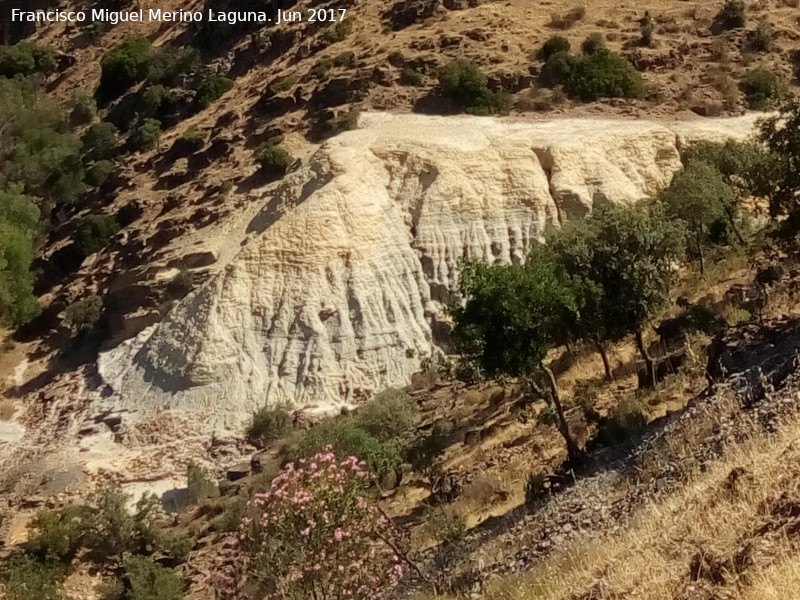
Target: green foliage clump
[
  {"x": 155, "y": 98},
  {"x": 389, "y": 415},
  {"x": 700, "y": 196},
  {"x": 268, "y": 425},
  {"x": 593, "y": 43},
  {"x": 411, "y": 77},
  {"x": 374, "y": 434},
  {"x": 147, "y": 135},
  {"x": 760, "y": 39},
  {"x": 762, "y": 88},
  {"x": 553, "y": 46},
  {"x": 777, "y": 175},
  {"x": 194, "y": 137},
  {"x": 100, "y": 139},
  {"x": 25, "y": 578},
  {"x": 99, "y": 172},
  {"x": 94, "y": 232},
  {"x": 733, "y": 14},
  {"x": 84, "y": 313},
  {"x": 169, "y": 64},
  {"x": 321, "y": 68},
  {"x": 340, "y": 31},
  {"x": 282, "y": 84},
  {"x": 346, "y": 439},
  {"x": 27, "y": 58},
  {"x": 274, "y": 160},
  {"x": 211, "y": 89},
  {"x": 58, "y": 534},
  {"x": 465, "y": 84},
  {"x": 125, "y": 64},
  {"x": 344, "y": 122},
  {"x": 148, "y": 580},
  {"x": 558, "y": 69},
  {"x": 19, "y": 219},
  {"x": 199, "y": 484},
  {"x": 84, "y": 108},
  {"x": 604, "y": 74}
]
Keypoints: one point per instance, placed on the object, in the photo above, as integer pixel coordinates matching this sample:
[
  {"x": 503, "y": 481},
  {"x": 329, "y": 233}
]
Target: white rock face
[{"x": 340, "y": 288}]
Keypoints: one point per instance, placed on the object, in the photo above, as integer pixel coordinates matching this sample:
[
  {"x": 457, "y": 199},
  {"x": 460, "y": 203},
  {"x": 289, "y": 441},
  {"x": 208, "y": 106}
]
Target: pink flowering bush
[{"x": 317, "y": 534}]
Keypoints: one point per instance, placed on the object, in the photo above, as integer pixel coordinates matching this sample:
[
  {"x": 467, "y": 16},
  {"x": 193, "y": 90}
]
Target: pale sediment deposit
[{"x": 339, "y": 290}]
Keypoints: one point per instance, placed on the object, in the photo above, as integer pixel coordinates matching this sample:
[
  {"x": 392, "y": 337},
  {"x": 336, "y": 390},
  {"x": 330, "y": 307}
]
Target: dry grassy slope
[{"x": 181, "y": 201}]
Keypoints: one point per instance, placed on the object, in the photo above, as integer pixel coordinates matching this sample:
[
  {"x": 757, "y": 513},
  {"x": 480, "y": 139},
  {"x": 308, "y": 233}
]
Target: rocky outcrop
[{"x": 341, "y": 284}]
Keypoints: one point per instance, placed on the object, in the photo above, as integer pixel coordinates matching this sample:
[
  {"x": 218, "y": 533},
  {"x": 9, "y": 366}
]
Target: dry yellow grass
[{"x": 742, "y": 534}]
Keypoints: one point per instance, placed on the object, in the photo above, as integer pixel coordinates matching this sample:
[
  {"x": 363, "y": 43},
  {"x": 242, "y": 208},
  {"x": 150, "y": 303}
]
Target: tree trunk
[
  {"x": 734, "y": 227},
  {"x": 699, "y": 242},
  {"x": 651, "y": 367},
  {"x": 563, "y": 426},
  {"x": 604, "y": 355}
]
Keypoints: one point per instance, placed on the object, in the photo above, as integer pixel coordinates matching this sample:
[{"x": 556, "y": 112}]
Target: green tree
[
  {"x": 511, "y": 317},
  {"x": 779, "y": 176},
  {"x": 27, "y": 58},
  {"x": 19, "y": 219},
  {"x": 604, "y": 74},
  {"x": 125, "y": 64},
  {"x": 100, "y": 140},
  {"x": 150, "y": 581},
  {"x": 700, "y": 196},
  {"x": 210, "y": 90},
  {"x": 94, "y": 232},
  {"x": 147, "y": 135},
  {"x": 84, "y": 313},
  {"x": 466, "y": 85}
]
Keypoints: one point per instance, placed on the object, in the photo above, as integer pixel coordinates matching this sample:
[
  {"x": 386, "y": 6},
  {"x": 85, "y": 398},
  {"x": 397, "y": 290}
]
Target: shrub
[
  {"x": 84, "y": 314},
  {"x": 648, "y": 28},
  {"x": 150, "y": 581},
  {"x": 344, "y": 59},
  {"x": 344, "y": 122},
  {"x": 411, "y": 77},
  {"x": 553, "y": 46},
  {"x": 100, "y": 139},
  {"x": 113, "y": 530},
  {"x": 605, "y": 74},
  {"x": 738, "y": 316},
  {"x": 168, "y": 64},
  {"x": 733, "y": 14},
  {"x": 760, "y": 39},
  {"x": 84, "y": 108},
  {"x": 155, "y": 98},
  {"x": 628, "y": 418},
  {"x": 125, "y": 64},
  {"x": 762, "y": 88},
  {"x": 568, "y": 19},
  {"x": 317, "y": 533},
  {"x": 320, "y": 69},
  {"x": 210, "y": 90},
  {"x": 466, "y": 85},
  {"x": 345, "y": 438},
  {"x": 94, "y": 232},
  {"x": 274, "y": 160},
  {"x": 268, "y": 425},
  {"x": 99, "y": 172},
  {"x": 27, "y": 58},
  {"x": 445, "y": 526},
  {"x": 28, "y": 579},
  {"x": 340, "y": 31},
  {"x": 147, "y": 135},
  {"x": 58, "y": 534},
  {"x": 558, "y": 69},
  {"x": 199, "y": 484},
  {"x": 282, "y": 84},
  {"x": 194, "y": 137},
  {"x": 388, "y": 416},
  {"x": 593, "y": 43}
]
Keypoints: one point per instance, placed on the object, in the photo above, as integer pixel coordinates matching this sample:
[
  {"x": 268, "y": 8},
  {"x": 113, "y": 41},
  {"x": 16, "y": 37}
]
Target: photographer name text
[{"x": 181, "y": 16}]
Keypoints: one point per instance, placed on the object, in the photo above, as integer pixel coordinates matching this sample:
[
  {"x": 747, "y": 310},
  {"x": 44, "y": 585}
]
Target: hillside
[{"x": 534, "y": 265}]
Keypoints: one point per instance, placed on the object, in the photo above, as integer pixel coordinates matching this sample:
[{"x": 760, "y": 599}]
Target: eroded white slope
[{"x": 338, "y": 291}]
